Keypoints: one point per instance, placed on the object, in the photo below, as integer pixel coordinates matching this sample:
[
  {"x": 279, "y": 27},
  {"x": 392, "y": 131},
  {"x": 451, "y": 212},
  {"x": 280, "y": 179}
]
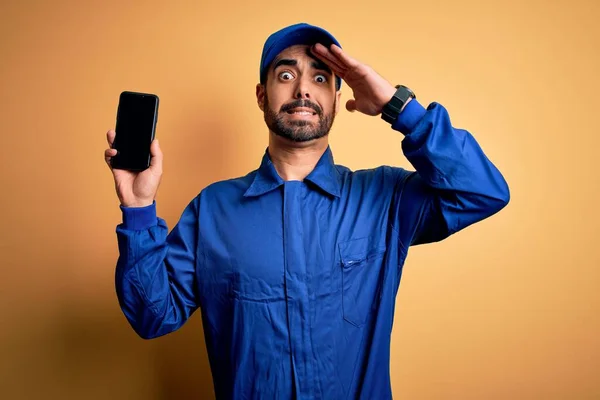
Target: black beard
[{"x": 298, "y": 131}]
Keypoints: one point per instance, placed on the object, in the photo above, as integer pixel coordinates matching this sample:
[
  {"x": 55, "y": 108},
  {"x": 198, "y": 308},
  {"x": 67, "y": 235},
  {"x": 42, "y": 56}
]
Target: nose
[
  {"x": 302, "y": 91},
  {"x": 302, "y": 94}
]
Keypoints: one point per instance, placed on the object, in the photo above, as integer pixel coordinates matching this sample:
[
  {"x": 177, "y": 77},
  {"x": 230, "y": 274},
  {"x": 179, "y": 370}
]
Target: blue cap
[{"x": 301, "y": 33}]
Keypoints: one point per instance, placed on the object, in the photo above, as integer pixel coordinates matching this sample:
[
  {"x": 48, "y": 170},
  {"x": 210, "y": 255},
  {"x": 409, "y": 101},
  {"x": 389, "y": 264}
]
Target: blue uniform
[{"x": 296, "y": 280}]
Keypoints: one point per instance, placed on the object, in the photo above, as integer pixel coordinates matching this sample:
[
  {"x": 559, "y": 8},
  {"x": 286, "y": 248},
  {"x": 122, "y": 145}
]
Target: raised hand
[
  {"x": 136, "y": 189},
  {"x": 370, "y": 90}
]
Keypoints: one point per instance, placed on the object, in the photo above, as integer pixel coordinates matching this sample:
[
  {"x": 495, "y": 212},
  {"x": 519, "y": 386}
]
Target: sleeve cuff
[
  {"x": 139, "y": 218},
  {"x": 409, "y": 117}
]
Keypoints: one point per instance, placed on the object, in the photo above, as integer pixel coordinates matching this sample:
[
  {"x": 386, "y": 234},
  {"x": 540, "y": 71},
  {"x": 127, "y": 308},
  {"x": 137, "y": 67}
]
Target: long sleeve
[
  {"x": 454, "y": 185},
  {"x": 155, "y": 273}
]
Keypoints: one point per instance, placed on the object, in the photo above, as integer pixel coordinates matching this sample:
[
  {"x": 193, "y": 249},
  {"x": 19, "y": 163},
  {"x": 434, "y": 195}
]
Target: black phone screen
[{"x": 134, "y": 131}]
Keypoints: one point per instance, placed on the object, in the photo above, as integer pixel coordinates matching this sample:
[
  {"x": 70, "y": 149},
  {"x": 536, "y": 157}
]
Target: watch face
[
  {"x": 392, "y": 109},
  {"x": 412, "y": 94}
]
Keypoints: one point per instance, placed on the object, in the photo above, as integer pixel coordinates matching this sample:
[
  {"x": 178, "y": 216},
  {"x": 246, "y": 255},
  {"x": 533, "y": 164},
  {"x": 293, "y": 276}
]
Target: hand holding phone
[{"x": 134, "y": 156}]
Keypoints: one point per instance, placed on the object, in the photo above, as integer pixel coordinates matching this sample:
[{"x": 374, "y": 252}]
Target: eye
[
  {"x": 286, "y": 75},
  {"x": 321, "y": 78}
]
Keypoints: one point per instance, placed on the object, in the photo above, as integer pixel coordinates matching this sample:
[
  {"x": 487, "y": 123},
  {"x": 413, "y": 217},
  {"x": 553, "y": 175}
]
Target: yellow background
[{"x": 507, "y": 309}]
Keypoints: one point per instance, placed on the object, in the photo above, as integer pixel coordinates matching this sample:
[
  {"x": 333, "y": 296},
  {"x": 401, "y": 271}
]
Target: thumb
[
  {"x": 351, "y": 105},
  {"x": 156, "y": 155}
]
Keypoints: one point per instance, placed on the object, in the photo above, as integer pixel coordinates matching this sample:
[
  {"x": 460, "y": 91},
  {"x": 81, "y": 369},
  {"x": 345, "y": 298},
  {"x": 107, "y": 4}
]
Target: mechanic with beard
[{"x": 296, "y": 266}]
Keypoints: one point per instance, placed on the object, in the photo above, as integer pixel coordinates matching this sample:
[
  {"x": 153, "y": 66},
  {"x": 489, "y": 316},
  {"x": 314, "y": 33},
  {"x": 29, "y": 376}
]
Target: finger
[
  {"x": 351, "y": 105},
  {"x": 108, "y": 154},
  {"x": 344, "y": 59},
  {"x": 157, "y": 156},
  {"x": 110, "y": 137},
  {"x": 331, "y": 57},
  {"x": 328, "y": 58}
]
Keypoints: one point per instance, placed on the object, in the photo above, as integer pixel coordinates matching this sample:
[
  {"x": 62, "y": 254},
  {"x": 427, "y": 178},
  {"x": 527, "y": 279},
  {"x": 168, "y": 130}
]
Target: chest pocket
[{"x": 362, "y": 262}]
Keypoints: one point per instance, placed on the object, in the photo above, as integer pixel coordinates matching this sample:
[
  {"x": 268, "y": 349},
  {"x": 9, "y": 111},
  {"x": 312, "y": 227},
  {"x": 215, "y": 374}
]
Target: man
[{"x": 296, "y": 265}]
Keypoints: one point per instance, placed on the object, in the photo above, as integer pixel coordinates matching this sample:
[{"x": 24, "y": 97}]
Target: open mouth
[{"x": 303, "y": 111}]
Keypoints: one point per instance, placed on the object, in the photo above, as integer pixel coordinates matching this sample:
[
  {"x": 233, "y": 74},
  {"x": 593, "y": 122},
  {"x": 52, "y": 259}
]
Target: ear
[
  {"x": 260, "y": 96},
  {"x": 338, "y": 96}
]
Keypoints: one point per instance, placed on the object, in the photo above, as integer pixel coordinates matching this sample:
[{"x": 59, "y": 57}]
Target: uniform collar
[{"x": 324, "y": 175}]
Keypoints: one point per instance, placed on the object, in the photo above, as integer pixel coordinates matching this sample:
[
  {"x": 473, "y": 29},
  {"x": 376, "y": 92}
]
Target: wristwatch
[{"x": 392, "y": 109}]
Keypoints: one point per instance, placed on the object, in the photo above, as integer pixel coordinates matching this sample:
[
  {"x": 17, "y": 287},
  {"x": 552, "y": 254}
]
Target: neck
[{"x": 295, "y": 161}]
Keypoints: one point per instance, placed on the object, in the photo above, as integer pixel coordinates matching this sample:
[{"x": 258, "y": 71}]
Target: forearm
[
  {"x": 154, "y": 278},
  {"x": 448, "y": 158},
  {"x": 456, "y": 183}
]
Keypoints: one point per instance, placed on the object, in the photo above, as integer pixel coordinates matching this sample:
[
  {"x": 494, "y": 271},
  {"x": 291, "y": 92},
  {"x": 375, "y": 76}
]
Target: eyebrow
[{"x": 316, "y": 64}]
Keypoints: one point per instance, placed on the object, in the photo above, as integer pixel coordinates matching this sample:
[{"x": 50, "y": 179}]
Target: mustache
[{"x": 302, "y": 103}]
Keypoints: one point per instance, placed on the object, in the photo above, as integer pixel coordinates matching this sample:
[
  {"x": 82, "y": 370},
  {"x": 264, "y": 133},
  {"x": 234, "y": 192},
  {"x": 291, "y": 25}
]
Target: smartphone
[{"x": 135, "y": 129}]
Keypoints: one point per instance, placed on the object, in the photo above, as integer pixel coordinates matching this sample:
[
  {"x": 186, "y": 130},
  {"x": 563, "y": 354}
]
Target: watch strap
[{"x": 392, "y": 109}]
